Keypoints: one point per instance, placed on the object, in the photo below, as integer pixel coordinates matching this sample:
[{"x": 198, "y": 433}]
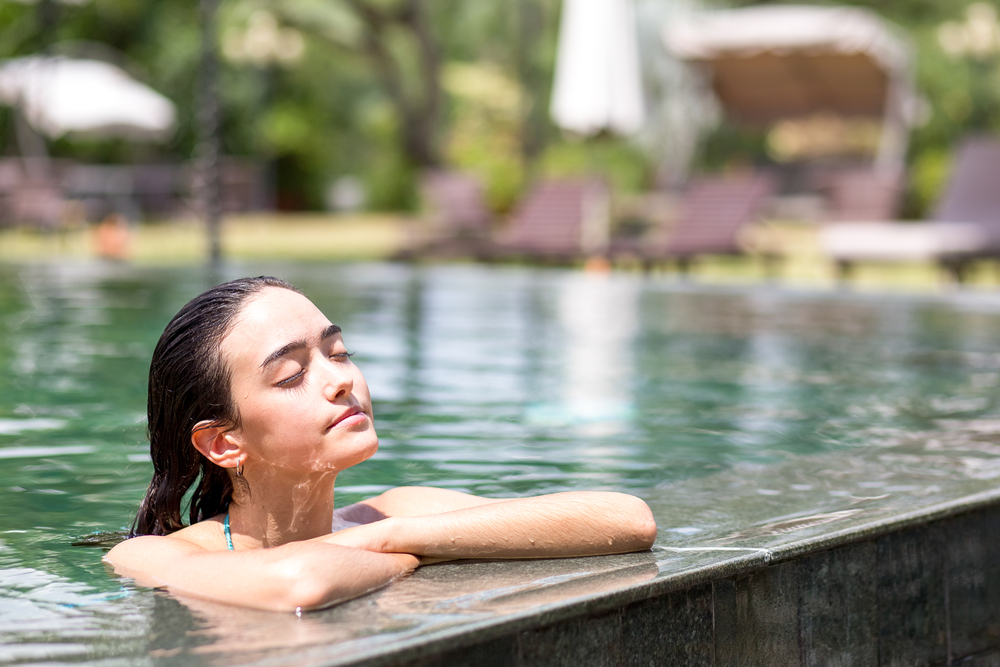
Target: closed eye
[
  {"x": 288, "y": 381},
  {"x": 342, "y": 356}
]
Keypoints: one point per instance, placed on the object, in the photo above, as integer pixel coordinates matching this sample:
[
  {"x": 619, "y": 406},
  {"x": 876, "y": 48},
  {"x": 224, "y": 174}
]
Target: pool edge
[{"x": 916, "y": 588}]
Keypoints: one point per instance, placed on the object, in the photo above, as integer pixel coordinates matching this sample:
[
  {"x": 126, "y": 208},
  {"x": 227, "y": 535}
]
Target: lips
[{"x": 349, "y": 417}]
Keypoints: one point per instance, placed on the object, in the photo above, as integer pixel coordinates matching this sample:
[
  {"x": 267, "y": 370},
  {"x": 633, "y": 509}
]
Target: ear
[{"x": 219, "y": 445}]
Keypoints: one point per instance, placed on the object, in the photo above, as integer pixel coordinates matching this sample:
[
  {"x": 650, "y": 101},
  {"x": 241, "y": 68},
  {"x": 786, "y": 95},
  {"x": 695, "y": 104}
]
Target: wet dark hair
[{"x": 189, "y": 383}]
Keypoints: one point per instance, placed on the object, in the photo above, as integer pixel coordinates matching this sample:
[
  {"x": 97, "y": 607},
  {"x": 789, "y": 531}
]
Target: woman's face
[{"x": 304, "y": 406}]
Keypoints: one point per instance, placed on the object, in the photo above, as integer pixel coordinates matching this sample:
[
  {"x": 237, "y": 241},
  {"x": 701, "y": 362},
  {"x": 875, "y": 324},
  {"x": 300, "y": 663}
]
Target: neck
[{"x": 277, "y": 510}]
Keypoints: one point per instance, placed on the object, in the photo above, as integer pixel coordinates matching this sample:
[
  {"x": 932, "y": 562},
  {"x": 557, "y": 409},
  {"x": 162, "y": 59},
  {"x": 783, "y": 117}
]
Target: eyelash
[{"x": 295, "y": 377}]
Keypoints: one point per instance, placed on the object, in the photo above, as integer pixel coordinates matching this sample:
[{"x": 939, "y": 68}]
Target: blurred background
[{"x": 609, "y": 133}]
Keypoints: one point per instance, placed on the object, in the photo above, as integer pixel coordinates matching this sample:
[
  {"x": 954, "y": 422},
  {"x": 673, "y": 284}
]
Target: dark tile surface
[
  {"x": 497, "y": 653},
  {"x": 838, "y": 616},
  {"x": 988, "y": 659},
  {"x": 586, "y": 642},
  {"x": 911, "y": 597},
  {"x": 674, "y": 629},
  {"x": 973, "y": 580},
  {"x": 757, "y": 618}
]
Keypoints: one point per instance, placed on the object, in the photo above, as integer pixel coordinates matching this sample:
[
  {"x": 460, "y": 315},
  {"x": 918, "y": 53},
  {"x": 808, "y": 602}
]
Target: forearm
[
  {"x": 307, "y": 578},
  {"x": 294, "y": 576},
  {"x": 557, "y": 525}
]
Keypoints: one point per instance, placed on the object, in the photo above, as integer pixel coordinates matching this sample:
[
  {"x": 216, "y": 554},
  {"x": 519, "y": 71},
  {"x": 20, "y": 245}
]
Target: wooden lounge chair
[
  {"x": 973, "y": 191},
  {"x": 456, "y": 203},
  {"x": 457, "y": 220},
  {"x": 561, "y": 220},
  {"x": 864, "y": 194},
  {"x": 30, "y": 193},
  {"x": 713, "y": 211},
  {"x": 964, "y": 226}
]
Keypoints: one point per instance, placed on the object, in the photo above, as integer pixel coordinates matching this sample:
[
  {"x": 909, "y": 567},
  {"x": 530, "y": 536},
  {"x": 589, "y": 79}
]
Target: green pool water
[{"x": 497, "y": 381}]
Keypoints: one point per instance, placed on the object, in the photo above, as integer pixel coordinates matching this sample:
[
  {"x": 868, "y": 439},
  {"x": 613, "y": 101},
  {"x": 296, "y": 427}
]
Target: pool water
[{"x": 496, "y": 381}]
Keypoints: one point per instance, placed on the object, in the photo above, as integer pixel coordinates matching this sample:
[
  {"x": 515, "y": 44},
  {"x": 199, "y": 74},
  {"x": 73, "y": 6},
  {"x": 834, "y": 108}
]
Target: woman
[{"x": 254, "y": 402}]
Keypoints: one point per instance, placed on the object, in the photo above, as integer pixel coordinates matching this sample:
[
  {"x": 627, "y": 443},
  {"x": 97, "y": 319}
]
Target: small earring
[{"x": 239, "y": 468}]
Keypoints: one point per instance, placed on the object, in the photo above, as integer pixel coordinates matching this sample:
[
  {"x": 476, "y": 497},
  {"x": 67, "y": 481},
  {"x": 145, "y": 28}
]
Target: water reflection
[{"x": 598, "y": 320}]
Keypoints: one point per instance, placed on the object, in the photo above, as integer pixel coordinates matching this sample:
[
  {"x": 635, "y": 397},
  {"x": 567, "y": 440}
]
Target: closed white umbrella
[
  {"x": 60, "y": 96},
  {"x": 598, "y": 84}
]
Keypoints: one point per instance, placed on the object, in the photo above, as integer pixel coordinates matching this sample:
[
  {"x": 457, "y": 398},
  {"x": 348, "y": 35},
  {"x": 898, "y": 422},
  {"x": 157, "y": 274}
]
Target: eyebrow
[{"x": 329, "y": 332}]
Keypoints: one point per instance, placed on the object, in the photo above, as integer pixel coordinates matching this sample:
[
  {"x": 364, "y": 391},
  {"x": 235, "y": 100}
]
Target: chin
[{"x": 352, "y": 454}]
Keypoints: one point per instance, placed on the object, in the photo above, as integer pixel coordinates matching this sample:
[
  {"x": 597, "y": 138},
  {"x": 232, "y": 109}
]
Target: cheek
[{"x": 265, "y": 420}]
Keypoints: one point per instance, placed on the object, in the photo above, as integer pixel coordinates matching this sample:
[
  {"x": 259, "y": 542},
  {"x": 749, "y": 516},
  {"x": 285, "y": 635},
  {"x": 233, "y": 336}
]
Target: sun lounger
[
  {"x": 37, "y": 203},
  {"x": 561, "y": 220},
  {"x": 29, "y": 193},
  {"x": 456, "y": 221},
  {"x": 964, "y": 226},
  {"x": 712, "y": 213},
  {"x": 862, "y": 194},
  {"x": 456, "y": 203}
]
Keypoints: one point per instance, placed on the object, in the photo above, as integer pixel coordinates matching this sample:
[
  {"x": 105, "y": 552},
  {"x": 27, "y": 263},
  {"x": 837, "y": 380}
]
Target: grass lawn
[
  {"x": 325, "y": 237},
  {"x": 271, "y": 236}
]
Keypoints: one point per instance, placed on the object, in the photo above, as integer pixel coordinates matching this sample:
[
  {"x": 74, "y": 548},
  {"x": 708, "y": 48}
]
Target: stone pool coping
[{"x": 920, "y": 564}]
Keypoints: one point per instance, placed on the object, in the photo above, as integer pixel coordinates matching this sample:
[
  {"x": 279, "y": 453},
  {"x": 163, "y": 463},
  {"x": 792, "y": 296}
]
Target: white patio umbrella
[
  {"x": 60, "y": 96},
  {"x": 598, "y": 83}
]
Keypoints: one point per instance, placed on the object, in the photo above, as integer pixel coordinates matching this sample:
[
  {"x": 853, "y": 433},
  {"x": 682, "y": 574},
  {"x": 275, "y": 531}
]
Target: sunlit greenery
[{"x": 380, "y": 89}]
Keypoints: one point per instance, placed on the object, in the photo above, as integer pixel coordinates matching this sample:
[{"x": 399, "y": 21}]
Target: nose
[{"x": 337, "y": 381}]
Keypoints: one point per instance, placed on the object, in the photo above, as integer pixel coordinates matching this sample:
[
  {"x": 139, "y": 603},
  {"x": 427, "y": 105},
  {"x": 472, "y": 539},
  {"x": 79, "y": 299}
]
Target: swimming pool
[{"x": 498, "y": 381}]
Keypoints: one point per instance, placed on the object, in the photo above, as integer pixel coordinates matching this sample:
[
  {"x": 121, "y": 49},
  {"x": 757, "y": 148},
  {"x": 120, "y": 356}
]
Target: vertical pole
[
  {"x": 533, "y": 104},
  {"x": 48, "y": 23},
  {"x": 207, "y": 152}
]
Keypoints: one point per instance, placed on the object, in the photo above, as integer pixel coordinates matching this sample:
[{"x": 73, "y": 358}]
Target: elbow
[
  {"x": 646, "y": 532},
  {"x": 643, "y": 524},
  {"x": 307, "y": 580},
  {"x": 306, "y": 596},
  {"x": 298, "y": 588}
]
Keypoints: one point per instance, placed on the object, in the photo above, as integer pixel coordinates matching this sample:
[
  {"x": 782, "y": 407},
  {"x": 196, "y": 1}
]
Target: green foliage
[
  {"x": 336, "y": 109},
  {"x": 732, "y": 146},
  {"x": 928, "y": 175},
  {"x": 485, "y": 127},
  {"x": 388, "y": 176},
  {"x": 624, "y": 166},
  {"x": 333, "y": 110}
]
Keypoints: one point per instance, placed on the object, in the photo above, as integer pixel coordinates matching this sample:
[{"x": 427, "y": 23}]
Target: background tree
[{"x": 379, "y": 89}]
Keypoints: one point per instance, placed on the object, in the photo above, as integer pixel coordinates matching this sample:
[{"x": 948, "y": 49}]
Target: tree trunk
[{"x": 419, "y": 115}]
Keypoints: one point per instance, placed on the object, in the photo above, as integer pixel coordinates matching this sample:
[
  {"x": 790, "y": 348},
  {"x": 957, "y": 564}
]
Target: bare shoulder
[
  {"x": 139, "y": 552},
  {"x": 424, "y": 500},
  {"x": 207, "y": 534}
]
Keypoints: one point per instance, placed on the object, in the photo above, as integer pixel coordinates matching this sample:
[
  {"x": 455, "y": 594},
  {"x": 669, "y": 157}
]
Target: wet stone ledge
[{"x": 923, "y": 595}]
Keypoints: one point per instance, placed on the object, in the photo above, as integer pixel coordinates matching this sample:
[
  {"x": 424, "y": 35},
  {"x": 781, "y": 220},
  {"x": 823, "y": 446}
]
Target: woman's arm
[
  {"x": 423, "y": 500},
  {"x": 298, "y": 575},
  {"x": 556, "y": 525}
]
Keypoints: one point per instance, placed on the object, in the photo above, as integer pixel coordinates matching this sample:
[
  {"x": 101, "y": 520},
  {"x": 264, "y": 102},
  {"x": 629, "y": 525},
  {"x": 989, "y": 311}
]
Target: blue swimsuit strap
[{"x": 225, "y": 529}]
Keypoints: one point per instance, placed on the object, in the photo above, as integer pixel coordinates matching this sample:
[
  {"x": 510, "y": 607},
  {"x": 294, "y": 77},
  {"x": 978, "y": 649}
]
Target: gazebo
[{"x": 777, "y": 62}]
